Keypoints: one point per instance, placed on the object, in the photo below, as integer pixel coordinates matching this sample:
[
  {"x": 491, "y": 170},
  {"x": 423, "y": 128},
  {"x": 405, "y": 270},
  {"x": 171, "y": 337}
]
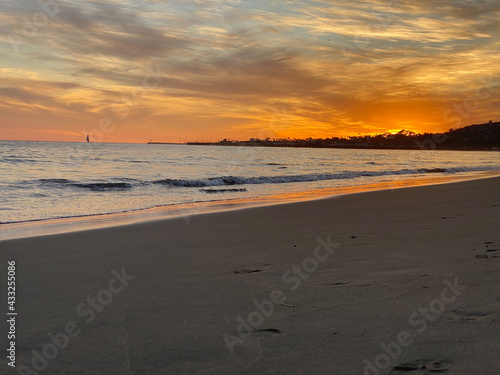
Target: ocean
[{"x": 49, "y": 180}]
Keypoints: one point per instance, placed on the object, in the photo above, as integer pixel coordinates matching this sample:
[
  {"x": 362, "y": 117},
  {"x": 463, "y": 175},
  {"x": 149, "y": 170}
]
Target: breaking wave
[{"x": 121, "y": 184}]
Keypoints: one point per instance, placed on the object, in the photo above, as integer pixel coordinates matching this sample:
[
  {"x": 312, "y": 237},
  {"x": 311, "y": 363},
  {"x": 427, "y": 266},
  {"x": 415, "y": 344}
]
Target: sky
[{"x": 134, "y": 71}]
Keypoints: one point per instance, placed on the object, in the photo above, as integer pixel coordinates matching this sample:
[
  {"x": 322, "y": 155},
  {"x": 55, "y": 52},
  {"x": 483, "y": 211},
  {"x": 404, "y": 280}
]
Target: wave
[
  {"x": 238, "y": 180},
  {"x": 124, "y": 183},
  {"x": 216, "y": 185},
  {"x": 55, "y": 180},
  {"x": 96, "y": 186},
  {"x": 102, "y": 186},
  {"x": 214, "y": 191},
  {"x": 434, "y": 170},
  {"x": 14, "y": 160}
]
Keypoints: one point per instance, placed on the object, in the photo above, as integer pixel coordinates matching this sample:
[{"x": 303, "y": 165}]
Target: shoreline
[
  {"x": 370, "y": 283},
  {"x": 52, "y": 226}
]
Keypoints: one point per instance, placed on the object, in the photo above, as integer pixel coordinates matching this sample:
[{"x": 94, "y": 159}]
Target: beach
[{"x": 392, "y": 281}]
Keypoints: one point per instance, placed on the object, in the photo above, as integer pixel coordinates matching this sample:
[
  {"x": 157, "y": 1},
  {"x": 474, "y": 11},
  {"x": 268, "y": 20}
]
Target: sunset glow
[{"x": 134, "y": 71}]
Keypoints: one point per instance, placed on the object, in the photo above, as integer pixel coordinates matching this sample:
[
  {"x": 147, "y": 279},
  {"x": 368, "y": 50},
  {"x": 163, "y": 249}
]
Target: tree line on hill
[{"x": 472, "y": 137}]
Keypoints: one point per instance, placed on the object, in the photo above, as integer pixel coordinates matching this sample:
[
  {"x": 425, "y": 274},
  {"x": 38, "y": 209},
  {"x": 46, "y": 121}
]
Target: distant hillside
[
  {"x": 483, "y": 135},
  {"x": 472, "y": 137}
]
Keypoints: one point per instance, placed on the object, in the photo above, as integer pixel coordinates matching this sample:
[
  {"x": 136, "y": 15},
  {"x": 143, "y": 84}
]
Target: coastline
[
  {"x": 381, "y": 256},
  {"x": 106, "y": 220}
]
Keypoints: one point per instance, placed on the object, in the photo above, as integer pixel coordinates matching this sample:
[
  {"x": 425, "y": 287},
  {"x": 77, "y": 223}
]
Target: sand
[{"x": 386, "y": 282}]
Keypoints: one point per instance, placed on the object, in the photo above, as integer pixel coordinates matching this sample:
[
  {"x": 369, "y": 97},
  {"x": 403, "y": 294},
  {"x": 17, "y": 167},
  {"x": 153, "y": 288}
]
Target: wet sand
[{"x": 390, "y": 282}]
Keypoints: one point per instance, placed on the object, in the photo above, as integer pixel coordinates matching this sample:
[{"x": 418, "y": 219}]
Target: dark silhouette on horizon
[{"x": 472, "y": 137}]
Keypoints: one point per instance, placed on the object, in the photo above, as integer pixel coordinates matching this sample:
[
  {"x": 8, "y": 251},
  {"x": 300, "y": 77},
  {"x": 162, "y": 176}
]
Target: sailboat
[{"x": 88, "y": 140}]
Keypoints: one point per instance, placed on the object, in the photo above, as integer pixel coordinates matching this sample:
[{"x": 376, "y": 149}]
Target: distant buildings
[{"x": 472, "y": 137}]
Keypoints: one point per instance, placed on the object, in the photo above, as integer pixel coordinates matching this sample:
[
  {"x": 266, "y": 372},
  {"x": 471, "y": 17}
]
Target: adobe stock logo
[{"x": 419, "y": 320}]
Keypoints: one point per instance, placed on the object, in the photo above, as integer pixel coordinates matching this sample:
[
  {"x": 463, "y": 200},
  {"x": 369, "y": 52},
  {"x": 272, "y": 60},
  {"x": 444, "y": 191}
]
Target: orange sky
[{"x": 131, "y": 71}]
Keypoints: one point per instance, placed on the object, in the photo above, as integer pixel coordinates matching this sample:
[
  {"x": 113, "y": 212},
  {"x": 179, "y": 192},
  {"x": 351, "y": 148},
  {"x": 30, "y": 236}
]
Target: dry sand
[{"x": 389, "y": 281}]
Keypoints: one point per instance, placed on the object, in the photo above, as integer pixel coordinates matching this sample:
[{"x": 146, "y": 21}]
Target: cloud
[{"x": 337, "y": 66}]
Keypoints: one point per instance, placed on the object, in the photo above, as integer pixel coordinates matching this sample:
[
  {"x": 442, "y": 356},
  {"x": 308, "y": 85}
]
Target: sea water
[{"x": 48, "y": 180}]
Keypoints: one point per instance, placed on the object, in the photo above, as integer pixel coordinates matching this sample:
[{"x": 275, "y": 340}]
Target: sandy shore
[{"x": 373, "y": 283}]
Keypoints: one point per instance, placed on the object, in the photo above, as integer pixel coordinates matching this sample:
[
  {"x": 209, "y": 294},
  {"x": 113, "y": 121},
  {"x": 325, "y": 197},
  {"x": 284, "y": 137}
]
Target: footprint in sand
[
  {"x": 421, "y": 366},
  {"x": 246, "y": 270},
  {"x": 270, "y": 330},
  {"x": 492, "y": 250},
  {"x": 250, "y": 270},
  {"x": 458, "y": 316},
  {"x": 340, "y": 283}
]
